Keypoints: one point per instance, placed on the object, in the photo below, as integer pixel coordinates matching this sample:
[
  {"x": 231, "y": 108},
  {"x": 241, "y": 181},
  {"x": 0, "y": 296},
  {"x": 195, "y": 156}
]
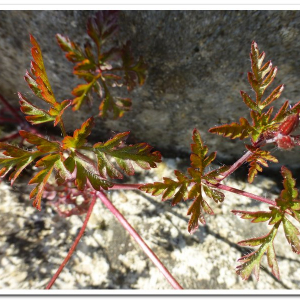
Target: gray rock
[
  {"x": 198, "y": 62},
  {"x": 33, "y": 244}
]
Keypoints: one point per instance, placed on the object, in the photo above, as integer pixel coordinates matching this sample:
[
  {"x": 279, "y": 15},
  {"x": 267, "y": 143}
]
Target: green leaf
[
  {"x": 168, "y": 188},
  {"x": 81, "y": 92},
  {"x": 282, "y": 112},
  {"x": 191, "y": 188},
  {"x": 79, "y": 136},
  {"x": 135, "y": 73},
  {"x": 38, "y": 69},
  {"x": 86, "y": 171},
  {"x": 249, "y": 102},
  {"x": 74, "y": 53},
  {"x": 42, "y": 144},
  {"x": 256, "y": 217},
  {"x": 124, "y": 155},
  {"x": 258, "y": 159},
  {"x": 292, "y": 235},
  {"x": 42, "y": 177},
  {"x": 289, "y": 192},
  {"x": 213, "y": 194},
  {"x": 35, "y": 114},
  {"x": 216, "y": 175},
  {"x": 118, "y": 106},
  {"x": 18, "y": 159},
  {"x": 195, "y": 210},
  {"x": 251, "y": 262},
  {"x": 234, "y": 130},
  {"x": 273, "y": 96}
]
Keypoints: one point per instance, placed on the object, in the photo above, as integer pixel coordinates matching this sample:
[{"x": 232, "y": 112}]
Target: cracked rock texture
[
  {"x": 34, "y": 243},
  {"x": 198, "y": 62}
]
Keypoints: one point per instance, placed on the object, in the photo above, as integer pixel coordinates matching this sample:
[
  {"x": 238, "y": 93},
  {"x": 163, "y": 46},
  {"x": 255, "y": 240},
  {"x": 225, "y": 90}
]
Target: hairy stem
[
  {"x": 243, "y": 159},
  {"x": 139, "y": 240},
  {"x": 242, "y": 193},
  {"x": 72, "y": 249}
]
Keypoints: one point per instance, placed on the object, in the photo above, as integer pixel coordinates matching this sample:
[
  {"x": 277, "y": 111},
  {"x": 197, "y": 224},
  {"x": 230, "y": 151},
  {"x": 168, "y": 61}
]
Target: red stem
[
  {"x": 139, "y": 240},
  {"x": 240, "y": 192},
  {"x": 126, "y": 186},
  {"x": 72, "y": 249},
  {"x": 9, "y": 137},
  {"x": 243, "y": 159},
  {"x": 236, "y": 165},
  {"x": 12, "y": 110}
]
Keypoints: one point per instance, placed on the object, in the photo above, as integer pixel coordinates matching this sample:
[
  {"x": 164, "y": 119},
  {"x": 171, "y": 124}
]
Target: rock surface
[
  {"x": 33, "y": 243},
  {"x": 198, "y": 62}
]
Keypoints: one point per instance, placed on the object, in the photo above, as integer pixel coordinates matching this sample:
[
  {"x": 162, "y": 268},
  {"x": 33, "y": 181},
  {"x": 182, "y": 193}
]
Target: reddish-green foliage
[
  {"x": 287, "y": 205},
  {"x": 83, "y": 169},
  {"x": 192, "y": 187},
  {"x": 72, "y": 158},
  {"x": 103, "y": 68},
  {"x": 262, "y": 130}
]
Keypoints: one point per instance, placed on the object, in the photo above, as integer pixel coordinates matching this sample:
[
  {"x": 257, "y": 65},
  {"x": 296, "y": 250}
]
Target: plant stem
[
  {"x": 126, "y": 186},
  {"x": 139, "y": 240},
  {"x": 243, "y": 159},
  {"x": 72, "y": 249},
  {"x": 236, "y": 165},
  {"x": 243, "y": 193},
  {"x": 12, "y": 110}
]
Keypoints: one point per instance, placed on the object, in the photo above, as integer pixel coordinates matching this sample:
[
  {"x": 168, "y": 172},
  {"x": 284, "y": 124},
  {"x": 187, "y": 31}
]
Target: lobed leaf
[
  {"x": 42, "y": 177},
  {"x": 213, "y": 194},
  {"x": 124, "y": 155},
  {"x": 118, "y": 106},
  {"x": 234, "y": 130},
  {"x": 289, "y": 193},
  {"x": 258, "y": 159},
  {"x": 79, "y": 136},
  {"x": 35, "y": 114},
  {"x": 18, "y": 159},
  {"x": 292, "y": 235},
  {"x": 273, "y": 96},
  {"x": 169, "y": 187},
  {"x": 84, "y": 172},
  {"x": 43, "y": 145},
  {"x": 256, "y": 217},
  {"x": 102, "y": 26},
  {"x": 135, "y": 73},
  {"x": 74, "y": 53},
  {"x": 249, "y": 102},
  {"x": 81, "y": 92},
  {"x": 251, "y": 262}
]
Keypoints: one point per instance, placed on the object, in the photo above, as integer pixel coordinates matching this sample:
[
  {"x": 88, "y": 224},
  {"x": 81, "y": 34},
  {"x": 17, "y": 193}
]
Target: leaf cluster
[
  {"x": 287, "y": 206},
  {"x": 72, "y": 159},
  {"x": 103, "y": 68},
  {"x": 194, "y": 186},
  {"x": 264, "y": 127},
  {"x": 69, "y": 160}
]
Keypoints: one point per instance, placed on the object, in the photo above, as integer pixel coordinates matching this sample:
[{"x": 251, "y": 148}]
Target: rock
[
  {"x": 198, "y": 62},
  {"x": 34, "y": 243}
]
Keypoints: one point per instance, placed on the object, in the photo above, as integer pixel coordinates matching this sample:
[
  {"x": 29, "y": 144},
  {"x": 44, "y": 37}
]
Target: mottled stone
[{"x": 34, "y": 243}]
